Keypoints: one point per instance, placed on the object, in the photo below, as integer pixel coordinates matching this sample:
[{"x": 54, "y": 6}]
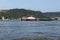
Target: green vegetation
[
  {"x": 52, "y": 14},
  {"x": 36, "y": 38},
  {"x": 18, "y": 13}
]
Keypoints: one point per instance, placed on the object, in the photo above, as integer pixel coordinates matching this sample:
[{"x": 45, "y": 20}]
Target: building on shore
[
  {"x": 3, "y": 18},
  {"x": 57, "y": 18}
]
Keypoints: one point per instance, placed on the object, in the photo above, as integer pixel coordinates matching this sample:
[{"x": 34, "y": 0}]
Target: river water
[{"x": 29, "y": 30}]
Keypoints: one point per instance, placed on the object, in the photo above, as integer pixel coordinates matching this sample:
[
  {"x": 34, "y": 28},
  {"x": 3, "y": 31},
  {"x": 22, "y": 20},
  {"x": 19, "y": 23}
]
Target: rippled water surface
[{"x": 29, "y": 30}]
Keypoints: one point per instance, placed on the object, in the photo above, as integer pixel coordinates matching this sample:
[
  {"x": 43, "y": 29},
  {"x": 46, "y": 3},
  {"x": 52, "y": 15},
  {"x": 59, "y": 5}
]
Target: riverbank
[{"x": 37, "y": 38}]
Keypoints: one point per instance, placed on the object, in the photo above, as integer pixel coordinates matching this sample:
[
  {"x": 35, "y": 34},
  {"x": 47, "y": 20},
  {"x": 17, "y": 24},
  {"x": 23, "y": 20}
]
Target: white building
[{"x": 3, "y": 18}]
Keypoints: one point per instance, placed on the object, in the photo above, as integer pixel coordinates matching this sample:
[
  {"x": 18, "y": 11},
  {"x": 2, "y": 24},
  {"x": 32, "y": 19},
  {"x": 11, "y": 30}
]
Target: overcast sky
[{"x": 39, "y": 5}]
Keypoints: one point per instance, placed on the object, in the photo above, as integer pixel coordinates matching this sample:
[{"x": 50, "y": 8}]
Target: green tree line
[{"x": 18, "y": 13}]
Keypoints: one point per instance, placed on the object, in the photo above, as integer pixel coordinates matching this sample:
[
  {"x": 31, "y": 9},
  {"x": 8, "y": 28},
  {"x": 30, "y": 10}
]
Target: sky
[{"x": 38, "y": 5}]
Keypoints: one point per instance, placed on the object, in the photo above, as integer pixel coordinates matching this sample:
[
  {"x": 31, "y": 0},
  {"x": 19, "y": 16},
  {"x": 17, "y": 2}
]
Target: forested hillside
[
  {"x": 52, "y": 14},
  {"x": 18, "y": 13}
]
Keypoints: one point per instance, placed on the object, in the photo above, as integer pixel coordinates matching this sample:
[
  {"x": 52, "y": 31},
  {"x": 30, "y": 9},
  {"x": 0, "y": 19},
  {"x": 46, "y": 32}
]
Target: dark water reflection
[{"x": 29, "y": 30}]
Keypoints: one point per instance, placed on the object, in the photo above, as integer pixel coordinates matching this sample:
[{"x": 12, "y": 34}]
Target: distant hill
[
  {"x": 18, "y": 13},
  {"x": 52, "y": 14}
]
